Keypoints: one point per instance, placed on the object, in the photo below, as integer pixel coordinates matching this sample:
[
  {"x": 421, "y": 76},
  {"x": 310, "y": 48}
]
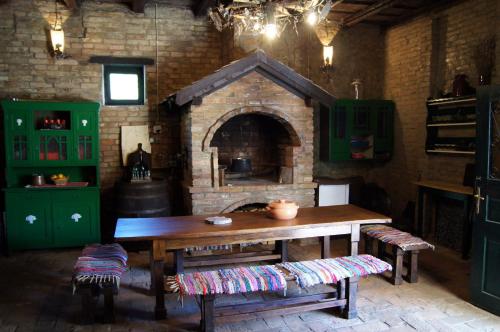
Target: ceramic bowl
[{"x": 282, "y": 209}]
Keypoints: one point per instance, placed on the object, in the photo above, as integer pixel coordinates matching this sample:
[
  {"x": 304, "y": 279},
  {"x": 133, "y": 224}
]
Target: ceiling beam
[
  {"x": 200, "y": 7},
  {"x": 138, "y": 6},
  {"x": 71, "y": 4},
  {"x": 367, "y": 12}
]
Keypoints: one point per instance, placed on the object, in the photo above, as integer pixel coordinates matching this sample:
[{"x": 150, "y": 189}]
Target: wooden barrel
[{"x": 143, "y": 199}]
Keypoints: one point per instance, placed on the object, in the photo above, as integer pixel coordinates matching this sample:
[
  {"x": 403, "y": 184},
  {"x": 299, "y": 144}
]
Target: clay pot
[{"x": 282, "y": 209}]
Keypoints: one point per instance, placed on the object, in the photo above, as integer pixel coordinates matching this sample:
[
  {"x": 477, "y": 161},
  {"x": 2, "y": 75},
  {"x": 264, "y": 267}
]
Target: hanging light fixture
[
  {"x": 328, "y": 68},
  {"x": 57, "y": 36}
]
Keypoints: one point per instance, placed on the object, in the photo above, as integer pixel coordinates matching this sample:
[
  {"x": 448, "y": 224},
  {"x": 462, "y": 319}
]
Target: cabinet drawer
[{"x": 28, "y": 220}]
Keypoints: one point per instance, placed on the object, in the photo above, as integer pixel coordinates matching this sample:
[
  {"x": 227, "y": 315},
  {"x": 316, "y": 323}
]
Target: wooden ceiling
[{"x": 348, "y": 12}]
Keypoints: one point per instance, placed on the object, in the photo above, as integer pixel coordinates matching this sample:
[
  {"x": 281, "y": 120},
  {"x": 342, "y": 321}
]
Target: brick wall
[
  {"x": 188, "y": 49},
  {"x": 412, "y": 63}
]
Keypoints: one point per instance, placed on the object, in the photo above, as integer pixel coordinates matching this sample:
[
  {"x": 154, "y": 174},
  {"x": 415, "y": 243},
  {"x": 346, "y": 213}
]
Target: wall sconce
[
  {"x": 57, "y": 37},
  {"x": 327, "y": 66}
]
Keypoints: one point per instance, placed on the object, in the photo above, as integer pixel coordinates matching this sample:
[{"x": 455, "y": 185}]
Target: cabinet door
[
  {"x": 340, "y": 134},
  {"x": 86, "y": 148},
  {"x": 75, "y": 217},
  {"x": 384, "y": 112},
  {"x": 28, "y": 220},
  {"x": 52, "y": 147},
  {"x": 85, "y": 122},
  {"x": 17, "y": 137}
]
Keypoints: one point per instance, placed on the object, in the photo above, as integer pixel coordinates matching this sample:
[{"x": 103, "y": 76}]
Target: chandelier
[{"x": 268, "y": 17}]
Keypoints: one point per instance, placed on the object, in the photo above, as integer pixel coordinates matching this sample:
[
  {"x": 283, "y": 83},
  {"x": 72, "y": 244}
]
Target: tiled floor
[{"x": 36, "y": 295}]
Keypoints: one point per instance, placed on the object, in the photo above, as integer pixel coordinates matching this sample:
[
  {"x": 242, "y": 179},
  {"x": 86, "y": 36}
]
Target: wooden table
[
  {"x": 436, "y": 189},
  {"x": 173, "y": 233}
]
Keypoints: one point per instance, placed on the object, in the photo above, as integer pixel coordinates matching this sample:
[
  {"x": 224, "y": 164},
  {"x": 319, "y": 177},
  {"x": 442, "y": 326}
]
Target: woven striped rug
[
  {"x": 331, "y": 270},
  {"x": 231, "y": 281},
  {"x": 394, "y": 236},
  {"x": 100, "y": 263}
]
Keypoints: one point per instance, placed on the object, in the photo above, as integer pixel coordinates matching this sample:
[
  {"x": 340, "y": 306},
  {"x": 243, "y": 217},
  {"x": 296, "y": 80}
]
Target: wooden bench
[
  {"x": 401, "y": 243},
  {"x": 343, "y": 276},
  {"x": 98, "y": 271}
]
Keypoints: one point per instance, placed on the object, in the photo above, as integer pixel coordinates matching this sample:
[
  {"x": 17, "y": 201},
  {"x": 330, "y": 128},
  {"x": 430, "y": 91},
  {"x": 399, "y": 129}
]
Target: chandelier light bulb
[
  {"x": 312, "y": 18},
  {"x": 271, "y": 31},
  {"x": 327, "y": 55}
]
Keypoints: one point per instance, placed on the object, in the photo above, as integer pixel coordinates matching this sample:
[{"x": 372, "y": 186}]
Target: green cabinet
[
  {"x": 45, "y": 137},
  {"x": 357, "y": 130}
]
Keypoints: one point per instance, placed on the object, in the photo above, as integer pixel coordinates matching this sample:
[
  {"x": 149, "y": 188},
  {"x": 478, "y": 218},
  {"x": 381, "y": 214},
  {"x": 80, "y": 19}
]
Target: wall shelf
[{"x": 451, "y": 126}]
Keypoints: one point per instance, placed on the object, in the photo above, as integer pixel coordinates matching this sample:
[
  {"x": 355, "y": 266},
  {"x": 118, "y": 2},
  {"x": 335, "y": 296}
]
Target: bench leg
[
  {"x": 207, "y": 313},
  {"x": 350, "y": 310},
  {"x": 341, "y": 293},
  {"x": 380, "y": 249},
  {"x": 413, "y": 268},
  {"x": 109, "y": 311},
  {"x": 368, "y": 244},
  {"x": 397, "y": 266},
  {"x": 325, "y": 247},
  {"x": 88, "y": 305}
]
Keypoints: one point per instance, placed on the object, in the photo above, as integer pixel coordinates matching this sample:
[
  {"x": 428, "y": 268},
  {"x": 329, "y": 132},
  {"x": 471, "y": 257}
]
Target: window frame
[{"x": 109, "y": 69}]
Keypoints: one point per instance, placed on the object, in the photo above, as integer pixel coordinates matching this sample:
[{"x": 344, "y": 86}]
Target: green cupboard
[
  {"x": 354, "y": 129},
  {"x": 46, "y": 138}
]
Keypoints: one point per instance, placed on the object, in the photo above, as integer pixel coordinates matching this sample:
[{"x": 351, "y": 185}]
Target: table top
[
  {"x": 164, "y": 228},
  {"x": 446, "y": 186}
]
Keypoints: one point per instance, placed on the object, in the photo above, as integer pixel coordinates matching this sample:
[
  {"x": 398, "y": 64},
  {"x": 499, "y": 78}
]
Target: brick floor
[{"x": 36, "y": 295}]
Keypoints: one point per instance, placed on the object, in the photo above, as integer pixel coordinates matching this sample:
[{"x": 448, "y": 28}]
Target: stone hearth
[{"x": 257, "y": 108}]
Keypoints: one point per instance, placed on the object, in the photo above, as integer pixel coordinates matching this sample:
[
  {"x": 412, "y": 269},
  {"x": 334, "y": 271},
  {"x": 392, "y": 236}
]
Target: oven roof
[{"x": 261, "y": 63}]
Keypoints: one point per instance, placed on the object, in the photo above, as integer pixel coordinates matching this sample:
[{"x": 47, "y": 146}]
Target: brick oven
[{"x": 255, "y": 108}]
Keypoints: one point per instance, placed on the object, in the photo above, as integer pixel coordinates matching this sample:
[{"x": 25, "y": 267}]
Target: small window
[{"x": 123, "y": 84}]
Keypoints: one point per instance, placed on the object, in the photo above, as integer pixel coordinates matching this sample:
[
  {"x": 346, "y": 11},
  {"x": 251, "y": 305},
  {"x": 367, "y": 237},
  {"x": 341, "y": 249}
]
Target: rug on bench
[
  {"x": 100, "y": 263},
  {"x": 331, "y": 270},
  {"x": 394, "y": 237},
  {"x": 231, "y": 281}
]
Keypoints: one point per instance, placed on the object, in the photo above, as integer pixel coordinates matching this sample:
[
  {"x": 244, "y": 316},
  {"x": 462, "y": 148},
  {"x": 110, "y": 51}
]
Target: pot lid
[{"x": 282, "y": 204}]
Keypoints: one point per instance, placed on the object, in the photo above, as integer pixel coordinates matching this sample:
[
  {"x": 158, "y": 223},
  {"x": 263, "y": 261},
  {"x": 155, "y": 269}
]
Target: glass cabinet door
[
  {"x": 53, "y": 147},
  {"x": 85, "y": 147}
]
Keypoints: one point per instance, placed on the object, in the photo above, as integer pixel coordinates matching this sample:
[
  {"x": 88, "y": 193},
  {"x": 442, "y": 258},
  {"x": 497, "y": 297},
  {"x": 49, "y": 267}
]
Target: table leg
[
  {"x": 353, "y": 250},
  {"x": 158, "y": 256},
  {"x": 420, "y": 211},
  {"x": 325, "y": 246},
  {"x": 281, "y": 247},
  {"x": 179, "y": 261},
  {"x": 467, "y": 223}
]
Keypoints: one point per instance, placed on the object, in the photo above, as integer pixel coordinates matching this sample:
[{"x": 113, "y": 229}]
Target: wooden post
[
  {"x": 350, "y": 310},
  {"x": 207, "y": 313},
  {"x": 420, "y": 211},
  {"x": 413, "y": 268},
  {"x": 325, "y": 247},
  {"x": 397, "y": 265}
]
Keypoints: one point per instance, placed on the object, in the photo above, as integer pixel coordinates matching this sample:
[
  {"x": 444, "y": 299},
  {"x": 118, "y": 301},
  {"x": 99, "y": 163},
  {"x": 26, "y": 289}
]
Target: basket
[{"x": 61, "y": 181}]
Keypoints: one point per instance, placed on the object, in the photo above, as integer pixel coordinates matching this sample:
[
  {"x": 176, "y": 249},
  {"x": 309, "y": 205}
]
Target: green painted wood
[
  {"x": 74, "y": 151},
  {"x": 369, "y": 121},
  {"x": 485, "y": 265}
]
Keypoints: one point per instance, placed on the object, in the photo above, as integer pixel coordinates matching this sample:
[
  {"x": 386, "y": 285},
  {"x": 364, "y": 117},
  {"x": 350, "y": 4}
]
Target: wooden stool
[
  {"x": 89, "y": 293},
  {"x": 397, "y": 255}
]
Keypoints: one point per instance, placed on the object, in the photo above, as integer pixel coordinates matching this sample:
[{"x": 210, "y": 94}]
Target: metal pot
[
  {"x": 38, "y": 180},
  {"x": 241, "y": 165}
]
